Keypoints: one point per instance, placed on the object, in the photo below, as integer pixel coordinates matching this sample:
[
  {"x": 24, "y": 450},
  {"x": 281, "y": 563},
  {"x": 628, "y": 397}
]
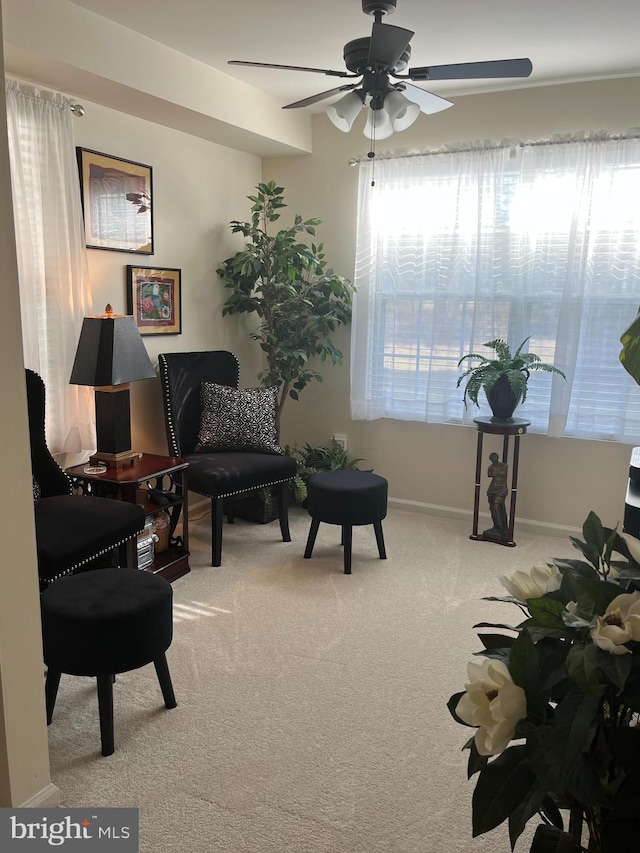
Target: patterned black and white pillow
[
  {"x": 233, "y": 419},
  {"x": 37, "y": 491}
]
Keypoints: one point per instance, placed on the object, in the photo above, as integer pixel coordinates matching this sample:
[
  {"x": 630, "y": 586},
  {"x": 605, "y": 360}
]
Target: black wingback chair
[
  {"x": 220, "y": 474},
  {"x": 72, "y": 530}
]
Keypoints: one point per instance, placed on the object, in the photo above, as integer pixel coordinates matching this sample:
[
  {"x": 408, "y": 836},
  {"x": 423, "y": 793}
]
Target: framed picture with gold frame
[
  {"x": 116, "y": 202},
  {"x": 154, "y": 297}
]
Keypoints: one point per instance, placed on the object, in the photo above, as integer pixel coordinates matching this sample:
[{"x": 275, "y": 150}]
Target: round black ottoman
[
  {"x": 348, "y": 498},
  {"x": 103, "y": 622}
]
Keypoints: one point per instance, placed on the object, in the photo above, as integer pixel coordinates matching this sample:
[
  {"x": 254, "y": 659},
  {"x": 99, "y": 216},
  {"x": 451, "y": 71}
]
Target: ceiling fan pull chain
[{"x": 372, "y": 154}]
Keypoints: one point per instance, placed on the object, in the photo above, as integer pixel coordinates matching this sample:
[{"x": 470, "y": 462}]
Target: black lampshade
[
  {"x": 110, "y": 352},
  {"x": 110, "y": 355}
]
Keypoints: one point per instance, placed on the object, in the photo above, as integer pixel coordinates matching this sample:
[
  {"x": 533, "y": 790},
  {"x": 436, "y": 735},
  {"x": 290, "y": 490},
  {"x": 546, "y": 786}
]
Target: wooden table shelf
[{"x": 128, "y": 484}]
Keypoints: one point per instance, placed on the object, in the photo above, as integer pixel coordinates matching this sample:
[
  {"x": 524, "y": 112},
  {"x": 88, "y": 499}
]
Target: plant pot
[
  {"x": 502, "y": 400},
  {"x": 549, "y": 839},
  {"x": 261, "y": 506}
]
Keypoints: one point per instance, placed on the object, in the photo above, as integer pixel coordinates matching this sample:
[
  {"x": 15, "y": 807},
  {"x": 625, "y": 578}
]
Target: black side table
[{"x": 514, "y": 427}]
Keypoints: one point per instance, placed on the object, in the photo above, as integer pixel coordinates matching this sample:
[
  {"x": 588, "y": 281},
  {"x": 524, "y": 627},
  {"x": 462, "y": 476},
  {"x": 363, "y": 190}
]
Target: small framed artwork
[
  {"x": 154, "y": 297},
  {"x": 117, "y": 201}
]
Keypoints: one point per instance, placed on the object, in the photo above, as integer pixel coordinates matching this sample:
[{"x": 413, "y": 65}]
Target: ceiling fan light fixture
[
  {"x": 382, "y": 55},
  {"x": 402, "y": 112},
  {"x": 344, "y": 112},
  {"x": 378, "y": 125}
]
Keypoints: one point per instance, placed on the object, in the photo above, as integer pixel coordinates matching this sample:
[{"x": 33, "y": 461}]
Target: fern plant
[
  {"x": 515, "y": 368},
  {"x": 310, "y": 460}
]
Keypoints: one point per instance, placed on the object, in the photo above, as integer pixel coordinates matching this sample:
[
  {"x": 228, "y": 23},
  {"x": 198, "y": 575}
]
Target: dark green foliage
[
  {"x": 297, "y": 297},
  {"x": 630, "y": 352},
  {"x": 578, "y": 748},
  {"x": 515, "y": 367},
  {"x": 310, "y": 460}
]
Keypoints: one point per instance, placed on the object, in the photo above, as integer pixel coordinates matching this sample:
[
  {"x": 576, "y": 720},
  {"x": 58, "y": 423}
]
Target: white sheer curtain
[
  {"x": 457, "y": 248},
  {"x": 52, "y": 263}
]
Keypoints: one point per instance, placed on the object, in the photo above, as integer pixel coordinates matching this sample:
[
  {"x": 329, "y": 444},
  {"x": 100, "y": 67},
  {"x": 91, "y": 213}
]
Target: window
[{"x": 459, "y": 248}]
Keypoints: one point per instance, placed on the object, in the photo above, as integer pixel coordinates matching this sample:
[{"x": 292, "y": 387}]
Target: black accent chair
[
  {"x": 221, "y": 474},
  {"x": 72, "y": 531}
]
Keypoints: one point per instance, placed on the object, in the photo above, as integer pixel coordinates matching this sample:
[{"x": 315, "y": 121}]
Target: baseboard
[
  {"x": 199, "y": 506},
  {"x": 542, "y": 528},
  {"x": 48, "y": 797}
]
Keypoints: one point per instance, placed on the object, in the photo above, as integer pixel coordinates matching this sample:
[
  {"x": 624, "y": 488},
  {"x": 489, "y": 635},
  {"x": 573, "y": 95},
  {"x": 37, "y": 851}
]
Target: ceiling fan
[{"x": 383, "y": 55}]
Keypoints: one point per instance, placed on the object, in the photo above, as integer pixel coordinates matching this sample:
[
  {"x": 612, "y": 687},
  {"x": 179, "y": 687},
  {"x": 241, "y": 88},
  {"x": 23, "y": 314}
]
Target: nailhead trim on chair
[
  {"x": 175, "y": 451},
  {"x": 95, "y": 556},
  {"x": 241, "y": 491},
  {"x": 174, "y": 442},
  {"x": 91, "y": 559},
  {"x": 165, "y": 388}
]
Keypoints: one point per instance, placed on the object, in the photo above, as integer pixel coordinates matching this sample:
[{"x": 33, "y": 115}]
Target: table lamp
[{"x": 110, "y": 355}]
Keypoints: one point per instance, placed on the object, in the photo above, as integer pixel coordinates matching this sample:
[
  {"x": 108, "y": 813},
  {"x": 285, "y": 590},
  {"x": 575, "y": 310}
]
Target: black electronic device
[{"x": 631, "y": 523}]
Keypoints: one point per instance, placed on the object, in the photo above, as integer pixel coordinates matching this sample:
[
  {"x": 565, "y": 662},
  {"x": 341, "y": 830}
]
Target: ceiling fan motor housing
[
  {"x": 356, "y": 56},
  {"x": 383, "y": 7},
  {"x": 384, "y": 54}
]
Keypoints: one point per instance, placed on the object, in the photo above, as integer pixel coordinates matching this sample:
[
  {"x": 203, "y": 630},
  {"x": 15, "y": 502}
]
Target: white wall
[
  {"x": 198, "y": 186},
  {"x": 79, "y": 51},
  {"x": 560, "y": 479}
]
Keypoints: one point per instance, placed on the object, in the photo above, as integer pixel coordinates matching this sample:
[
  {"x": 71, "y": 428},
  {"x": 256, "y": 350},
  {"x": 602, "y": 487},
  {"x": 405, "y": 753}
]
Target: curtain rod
[
  {"x": 77, "y": 109},
  {"x": 466, "y": 148}
]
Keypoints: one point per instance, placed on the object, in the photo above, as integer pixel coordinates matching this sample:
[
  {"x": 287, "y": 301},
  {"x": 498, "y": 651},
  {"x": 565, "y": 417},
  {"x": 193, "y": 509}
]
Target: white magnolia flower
[
  {"x": 545, "y": 577},
  {"x": 619, "y": 625},
  {"x": 493, "y": 703}
]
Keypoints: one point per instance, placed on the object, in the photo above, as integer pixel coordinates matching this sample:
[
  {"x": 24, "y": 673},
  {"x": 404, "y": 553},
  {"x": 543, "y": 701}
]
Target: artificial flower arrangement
[{"x": 555, "y": 700}]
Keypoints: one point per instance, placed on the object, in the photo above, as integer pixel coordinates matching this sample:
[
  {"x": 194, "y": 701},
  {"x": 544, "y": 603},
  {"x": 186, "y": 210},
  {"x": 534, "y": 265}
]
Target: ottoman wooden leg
[
  {"x": 105, "y": 708},
  {"x": 50, "y": 692},
  {"x": 162, "y": 671},
  {"x": 311, "y": 539},
  {"x": 377, "y": 526},
  {"x": 347, "y": 531}
]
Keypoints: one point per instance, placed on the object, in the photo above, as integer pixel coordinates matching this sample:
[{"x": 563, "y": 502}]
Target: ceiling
[{"x": 566, "y": 40}]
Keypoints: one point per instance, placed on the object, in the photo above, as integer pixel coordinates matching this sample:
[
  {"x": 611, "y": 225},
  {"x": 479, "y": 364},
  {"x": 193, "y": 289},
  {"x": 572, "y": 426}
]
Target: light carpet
[{"x": 311, "y": 710}]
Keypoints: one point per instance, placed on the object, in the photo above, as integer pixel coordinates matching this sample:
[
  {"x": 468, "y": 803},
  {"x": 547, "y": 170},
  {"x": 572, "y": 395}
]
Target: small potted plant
[
  {"x": 310, "y": 460},
  {"x": 504, "y": 377}
]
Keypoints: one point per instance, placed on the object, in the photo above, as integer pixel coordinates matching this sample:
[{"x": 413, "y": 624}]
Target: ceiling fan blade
[
  {"x": 427, "y": 101},
  {"x": 474, "y": 70},
  {"x": 326, "y": 71},
  {"x": 387, "y": 44},
  {"x": 305, "y": 102}
]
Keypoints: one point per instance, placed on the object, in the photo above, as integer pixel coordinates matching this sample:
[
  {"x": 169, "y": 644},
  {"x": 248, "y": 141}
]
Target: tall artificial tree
[{"x": 298, "y": 298}]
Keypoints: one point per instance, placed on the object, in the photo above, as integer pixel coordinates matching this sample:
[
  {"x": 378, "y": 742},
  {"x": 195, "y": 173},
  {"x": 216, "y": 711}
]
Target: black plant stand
[{"x": 506, "y": 428}]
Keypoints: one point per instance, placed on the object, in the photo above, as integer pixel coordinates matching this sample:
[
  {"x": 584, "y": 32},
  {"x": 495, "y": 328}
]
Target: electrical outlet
[{"x": 341, "y": 441}]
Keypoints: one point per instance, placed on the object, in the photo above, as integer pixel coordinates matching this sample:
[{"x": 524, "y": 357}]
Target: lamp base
[{"x": 115, "y": 460}]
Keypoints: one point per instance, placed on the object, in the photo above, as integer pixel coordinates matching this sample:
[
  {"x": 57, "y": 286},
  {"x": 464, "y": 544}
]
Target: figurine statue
[{"x": 497, "y": 495}]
